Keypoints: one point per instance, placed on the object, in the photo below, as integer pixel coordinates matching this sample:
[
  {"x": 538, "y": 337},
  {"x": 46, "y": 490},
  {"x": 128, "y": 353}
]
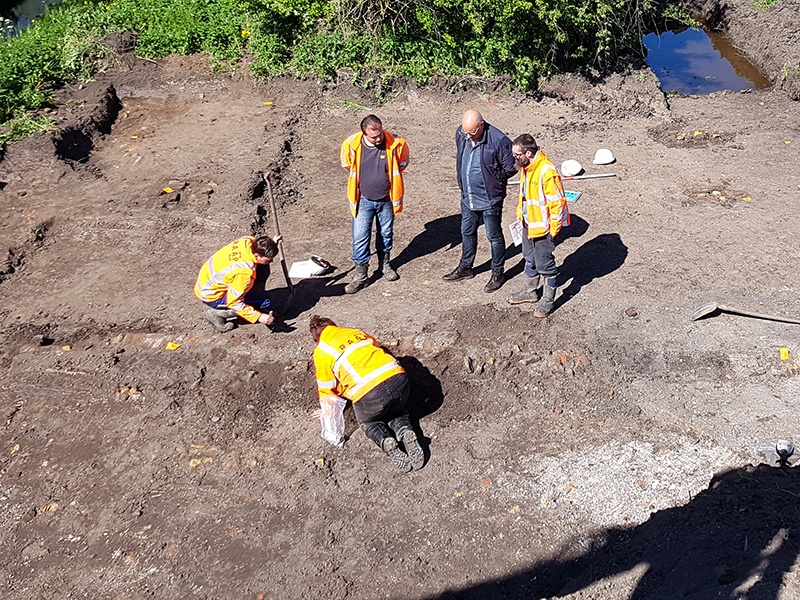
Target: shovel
[
  {"x": 281, "y": 255},
  {"x": 708, "y": 309}
]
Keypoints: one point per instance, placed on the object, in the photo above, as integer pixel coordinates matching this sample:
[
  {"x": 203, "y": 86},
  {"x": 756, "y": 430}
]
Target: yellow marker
[
  {"x": 134, "y": 137},
  {"x": 784, "y": 354},
  {"x": 747, "y": 199},
  {"x": 268, "y": 103},
  {"x": 168, "y": 190},
  {"x": 698, "y": 133},
  {"x": 66, "y": 348},
  {"x": 172, "y": 346}
]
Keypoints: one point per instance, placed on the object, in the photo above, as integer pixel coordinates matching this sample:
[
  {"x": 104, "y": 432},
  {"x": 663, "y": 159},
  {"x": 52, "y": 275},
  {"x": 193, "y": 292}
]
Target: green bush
[{"x": 526, "y": 39}]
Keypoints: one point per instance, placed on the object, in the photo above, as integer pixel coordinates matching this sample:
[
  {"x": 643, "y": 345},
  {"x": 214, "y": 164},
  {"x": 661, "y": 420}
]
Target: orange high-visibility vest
[
  {"x": 396, "y": 163},
  {"x": 541, "y": 198},
  {"x": 230, "y": 273},
  {"x": 349, "y": 363}
]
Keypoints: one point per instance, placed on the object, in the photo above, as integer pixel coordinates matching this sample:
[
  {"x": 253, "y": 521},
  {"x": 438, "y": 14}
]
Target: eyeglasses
[{"x": 471, "y": 133}]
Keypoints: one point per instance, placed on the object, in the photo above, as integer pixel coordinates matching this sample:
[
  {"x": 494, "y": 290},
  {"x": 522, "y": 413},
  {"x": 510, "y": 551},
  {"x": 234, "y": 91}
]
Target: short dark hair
[
  {"x": 265, "y": 246},
  {"x": 317, "y": 324},
  {"x": 370, "y": 120},
  {"x": 526, "y": 142}
]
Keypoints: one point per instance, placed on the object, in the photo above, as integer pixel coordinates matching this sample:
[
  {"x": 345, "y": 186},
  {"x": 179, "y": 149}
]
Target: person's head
[
  {"x": 472, "y": 125},
  {"x": 524, "y": 148},
  {"x": 264, "y": 249},
  {"x": 372, "y": 128},
  {"x": 317, "y": 324}
]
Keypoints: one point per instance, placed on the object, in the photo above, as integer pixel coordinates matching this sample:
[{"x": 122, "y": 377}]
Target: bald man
[{"x": 484, "y": 164}]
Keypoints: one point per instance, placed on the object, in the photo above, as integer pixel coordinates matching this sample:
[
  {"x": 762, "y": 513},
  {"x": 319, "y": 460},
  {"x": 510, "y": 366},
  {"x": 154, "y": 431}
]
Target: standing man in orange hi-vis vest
[
  {"x": 351, "y": 364},
  {"x": 231, "y": 282},
  {"x": 542, "y": 211},
  {"x": 375, "y": 160}
]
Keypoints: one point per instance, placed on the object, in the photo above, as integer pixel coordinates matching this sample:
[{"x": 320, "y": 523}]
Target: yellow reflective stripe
[
  {"x": 218, "y": 278},
  {"x": 328, "y": 349},
  {"x": 343, "y": 363},
  {"x": 374, "y": 375},
  {"x": 210, "y": 265}
]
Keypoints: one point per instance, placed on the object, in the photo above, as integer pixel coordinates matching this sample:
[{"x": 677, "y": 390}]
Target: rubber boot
[
  {"x": 405, "y": 433},
  {"x": 219, "y": 319},
  {"x": 545, "y": 306},
  {"x": 399, "y": 458},
  {"x": 359, "y": 282},
  {"x": 413, "y": 449},
  {"x": 389, "y": 274},
  {"x": 529, "y": 291}
]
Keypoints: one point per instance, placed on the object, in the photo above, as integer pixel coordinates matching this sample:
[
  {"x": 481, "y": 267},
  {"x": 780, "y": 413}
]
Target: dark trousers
[
  {"x": 492, "y": 221},
  {"x": 538, "y": 254},
  {"x": 382, "y": 412}
]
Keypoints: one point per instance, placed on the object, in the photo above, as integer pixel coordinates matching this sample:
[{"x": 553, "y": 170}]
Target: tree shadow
[
  {"x": 596, "y": 258},
  {"x": 737, "y": 539},
  {"x": 438, "y": 234}
]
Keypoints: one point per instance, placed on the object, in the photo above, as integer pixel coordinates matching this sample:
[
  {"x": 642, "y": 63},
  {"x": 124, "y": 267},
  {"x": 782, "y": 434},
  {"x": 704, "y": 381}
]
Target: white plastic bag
[{"x": 331, "y": 417}]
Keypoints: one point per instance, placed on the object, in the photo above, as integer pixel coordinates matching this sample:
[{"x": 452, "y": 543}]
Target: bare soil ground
[{"x": 571, "y": 456}]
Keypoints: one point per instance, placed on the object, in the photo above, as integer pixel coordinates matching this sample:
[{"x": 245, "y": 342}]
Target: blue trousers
[
  {"x": 492, "y": 221},
  {"x": 383, "y": 215}
]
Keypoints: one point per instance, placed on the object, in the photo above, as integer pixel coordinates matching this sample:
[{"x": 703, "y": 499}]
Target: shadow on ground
[
  {"x": 735, "y": 540},
  {"x": 596, "y": 258}
]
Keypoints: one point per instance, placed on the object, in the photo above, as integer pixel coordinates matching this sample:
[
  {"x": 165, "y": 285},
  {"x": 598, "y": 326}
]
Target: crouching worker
[
  {"x": 231, "y": 282},
  {"x": 350, "y": 364}
]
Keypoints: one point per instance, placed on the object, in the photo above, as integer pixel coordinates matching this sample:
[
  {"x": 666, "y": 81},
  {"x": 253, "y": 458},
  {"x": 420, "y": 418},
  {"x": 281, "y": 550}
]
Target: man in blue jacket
[{"x": 484, "y": 164}]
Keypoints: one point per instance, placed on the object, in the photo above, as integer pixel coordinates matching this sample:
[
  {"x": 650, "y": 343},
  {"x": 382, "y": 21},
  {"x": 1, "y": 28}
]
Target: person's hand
[
  {"x": 267, "y": 318},
  {"x": 278, "y": 239}
]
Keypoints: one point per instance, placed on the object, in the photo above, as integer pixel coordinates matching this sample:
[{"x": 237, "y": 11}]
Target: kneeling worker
[
  {"x": 350, "y": 364},
  {"x": 226, "y": 283}
]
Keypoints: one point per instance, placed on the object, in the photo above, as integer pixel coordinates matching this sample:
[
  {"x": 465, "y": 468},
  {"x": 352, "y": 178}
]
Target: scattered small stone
[
  {"x": 215, "y": 419},
  {"x": 469, "y": 364},
  {"x": 631, "y": 312}
]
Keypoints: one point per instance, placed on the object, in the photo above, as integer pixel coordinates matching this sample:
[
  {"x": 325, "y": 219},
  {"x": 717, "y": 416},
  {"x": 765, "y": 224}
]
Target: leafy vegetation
[{"x": 375, "y": 39}]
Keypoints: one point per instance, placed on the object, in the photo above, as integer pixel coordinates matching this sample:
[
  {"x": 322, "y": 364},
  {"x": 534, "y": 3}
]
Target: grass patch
[
  {"x": 22, "y": 125},
  {"x": 378, "y": 40}
]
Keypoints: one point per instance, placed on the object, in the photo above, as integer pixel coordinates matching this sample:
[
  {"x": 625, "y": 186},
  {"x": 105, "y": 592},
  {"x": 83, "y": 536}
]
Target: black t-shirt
[{"x": 374, "y": 183}]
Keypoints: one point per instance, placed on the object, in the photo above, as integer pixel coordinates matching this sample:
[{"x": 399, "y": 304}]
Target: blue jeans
[
  {"x": 492, "y": 221},
  {"x": 369, "y": 211}
]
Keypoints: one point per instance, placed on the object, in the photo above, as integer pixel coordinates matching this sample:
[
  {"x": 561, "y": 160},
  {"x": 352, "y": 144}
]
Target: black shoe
[
  {"x": 495, "y": 283},
  {"x": 458, "y": 274},
  {"x": 399, "y": 458},
  {"x": 413, "y": 449}
]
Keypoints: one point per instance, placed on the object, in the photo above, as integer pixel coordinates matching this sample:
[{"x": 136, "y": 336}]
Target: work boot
[
  {"x": 545, "y": 307},
  {"x": 458, "y": 274},
  {"x": 219, "y": 319},
  {"x": 399, "y": 458},
  {"x": 389, "y": 274},
  {"x": 529, "y": 291},
  {"x": 495, "y": 283},
  {"x": 359, "y": 282},
  {"x": 413, "y": 449}
]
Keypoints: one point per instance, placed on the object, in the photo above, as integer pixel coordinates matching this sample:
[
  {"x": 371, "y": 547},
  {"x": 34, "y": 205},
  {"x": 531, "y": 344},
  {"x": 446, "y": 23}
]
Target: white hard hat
[
  {"x": 603, "y": 156},
  {"x": 570, "y": 167}
]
